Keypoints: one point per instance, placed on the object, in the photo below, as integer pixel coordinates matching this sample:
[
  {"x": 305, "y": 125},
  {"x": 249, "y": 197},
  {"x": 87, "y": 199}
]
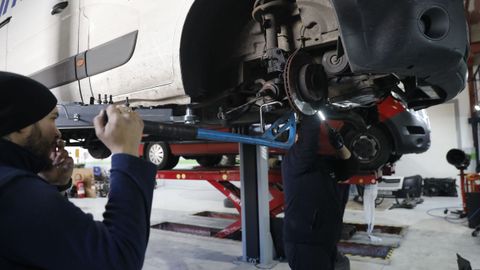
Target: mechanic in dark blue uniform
[
  {"x": 39, "y": 228},
  {"x": 314, "y": 201}
]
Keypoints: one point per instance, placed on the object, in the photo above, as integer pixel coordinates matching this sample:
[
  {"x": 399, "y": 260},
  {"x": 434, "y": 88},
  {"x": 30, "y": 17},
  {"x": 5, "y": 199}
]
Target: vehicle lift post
[{"x": 257, "y": 242}]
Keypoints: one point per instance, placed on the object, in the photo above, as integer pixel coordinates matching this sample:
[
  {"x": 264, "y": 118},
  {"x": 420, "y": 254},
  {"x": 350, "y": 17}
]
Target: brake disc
[{"x": 305, "y": 83}]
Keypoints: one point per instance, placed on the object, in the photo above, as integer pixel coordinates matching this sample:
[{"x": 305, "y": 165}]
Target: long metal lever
[{"x": 185, "y": 132}]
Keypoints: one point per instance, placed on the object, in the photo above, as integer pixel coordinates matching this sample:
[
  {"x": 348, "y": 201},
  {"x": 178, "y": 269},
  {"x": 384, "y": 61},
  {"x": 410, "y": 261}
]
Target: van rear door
[{"x": 42, "y": 36}]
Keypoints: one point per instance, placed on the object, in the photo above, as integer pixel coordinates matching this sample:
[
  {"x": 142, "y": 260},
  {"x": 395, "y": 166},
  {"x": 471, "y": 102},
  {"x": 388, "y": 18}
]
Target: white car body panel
[
  {"x": 42, "y": 39},
  {"x": 153, "y": 72},
  {"x": 152, "y": 75}
]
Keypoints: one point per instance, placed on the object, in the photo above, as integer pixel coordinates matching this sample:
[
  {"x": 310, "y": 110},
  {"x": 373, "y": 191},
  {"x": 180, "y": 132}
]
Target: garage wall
[{"x": 450, "y": 129}]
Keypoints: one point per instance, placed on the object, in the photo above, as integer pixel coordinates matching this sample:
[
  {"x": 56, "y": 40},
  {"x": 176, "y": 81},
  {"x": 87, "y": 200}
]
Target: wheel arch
[{"x": 207, "y": 37}]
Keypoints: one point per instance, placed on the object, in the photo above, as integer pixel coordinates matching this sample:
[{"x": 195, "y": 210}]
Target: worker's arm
[
  {"x": 41, "y": 227},
  {"x": 303, "y": 154},
  {"x": 346, "y": 164}
]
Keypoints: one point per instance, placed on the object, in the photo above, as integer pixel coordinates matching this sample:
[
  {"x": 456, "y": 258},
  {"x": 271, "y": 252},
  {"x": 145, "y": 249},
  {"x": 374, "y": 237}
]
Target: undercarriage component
[
  {"x": 275, "y": 60},
  {"x": 268, "y": 13},
  {"x": 333, "y": 63},
  {"x": 362, "y": 90},
  {"x": 305, "y": 82}
]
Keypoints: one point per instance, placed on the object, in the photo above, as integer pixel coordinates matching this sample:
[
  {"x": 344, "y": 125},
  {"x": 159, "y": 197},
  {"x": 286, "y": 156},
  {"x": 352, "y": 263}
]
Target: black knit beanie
[{"x": 23, "y": 102}]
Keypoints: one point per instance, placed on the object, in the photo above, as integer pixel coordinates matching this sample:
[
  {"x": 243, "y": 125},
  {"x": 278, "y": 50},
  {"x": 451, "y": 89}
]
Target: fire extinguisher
[{"x": 80, "y": 189}]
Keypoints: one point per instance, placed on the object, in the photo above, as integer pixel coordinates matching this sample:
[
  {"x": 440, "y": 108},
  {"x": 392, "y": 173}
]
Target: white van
[{"x": 226, "y": 58}]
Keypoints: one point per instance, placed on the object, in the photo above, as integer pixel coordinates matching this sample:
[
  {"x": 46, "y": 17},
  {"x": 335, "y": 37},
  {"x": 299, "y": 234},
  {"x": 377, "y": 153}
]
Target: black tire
[
  {"x": 159, "y": 154},
  {"x": 98, "y": 150},
  {"x": 209, "y": 161},
  {"x": 372, "y": 147}
]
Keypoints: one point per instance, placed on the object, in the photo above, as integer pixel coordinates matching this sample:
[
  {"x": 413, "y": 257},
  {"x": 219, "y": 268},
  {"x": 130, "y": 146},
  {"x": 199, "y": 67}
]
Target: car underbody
[{"x": 311, "y": 54}]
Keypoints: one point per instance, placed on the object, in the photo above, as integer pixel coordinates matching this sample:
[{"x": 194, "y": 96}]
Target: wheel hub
[{"x": 365, "y": 147}]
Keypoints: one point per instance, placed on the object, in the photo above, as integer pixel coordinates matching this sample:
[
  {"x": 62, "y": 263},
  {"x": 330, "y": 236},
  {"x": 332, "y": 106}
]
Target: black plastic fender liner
[
  {"x": 427, "y": 39},
  {"x": 208, "y": 37}
]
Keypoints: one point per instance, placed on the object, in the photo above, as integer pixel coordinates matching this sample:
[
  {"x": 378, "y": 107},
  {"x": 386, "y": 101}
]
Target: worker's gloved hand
[{"x": 335, "y": 138}]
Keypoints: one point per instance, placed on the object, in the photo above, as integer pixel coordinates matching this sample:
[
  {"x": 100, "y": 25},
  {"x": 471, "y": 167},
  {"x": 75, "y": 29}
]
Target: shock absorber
[{"x": 269, "y": 14}]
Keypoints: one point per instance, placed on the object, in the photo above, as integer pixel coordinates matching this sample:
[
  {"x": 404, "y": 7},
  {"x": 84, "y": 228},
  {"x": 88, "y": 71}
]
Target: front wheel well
[{"x": 208, "y": 38}]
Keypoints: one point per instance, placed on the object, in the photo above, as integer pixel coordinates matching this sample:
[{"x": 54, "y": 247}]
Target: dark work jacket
[
  {"x": 40, "y": 229},
  {"x": 313, "y": 207}
]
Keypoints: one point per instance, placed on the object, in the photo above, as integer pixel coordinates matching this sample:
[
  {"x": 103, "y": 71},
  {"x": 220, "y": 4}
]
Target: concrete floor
[{"x": 430, "y": 242}]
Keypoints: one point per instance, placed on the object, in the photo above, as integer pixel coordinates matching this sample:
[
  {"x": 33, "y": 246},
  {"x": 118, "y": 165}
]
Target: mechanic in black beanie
[
  {"x": 314, "y": 201},
  {"x": 24, "y": 102},
  {"x": 41, "y": 229}
]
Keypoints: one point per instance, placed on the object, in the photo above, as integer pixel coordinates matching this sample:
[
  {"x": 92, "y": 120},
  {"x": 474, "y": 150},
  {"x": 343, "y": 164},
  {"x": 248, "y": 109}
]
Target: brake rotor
[{"x": 305, "y": 83}]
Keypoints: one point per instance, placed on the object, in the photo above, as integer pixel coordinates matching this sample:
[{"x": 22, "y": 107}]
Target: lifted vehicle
[
  {"x": 375, "y": 141},
  {"x": 232, "y": 62}
]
